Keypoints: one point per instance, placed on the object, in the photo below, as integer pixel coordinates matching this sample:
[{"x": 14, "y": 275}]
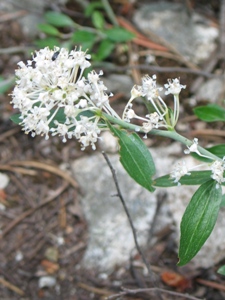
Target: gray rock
[
  {"x": 211, "y": 90},
  {"x": 193, "y": 36},
  {"x": 110, "y": 239},
  {"x": 118, "y": 82}
]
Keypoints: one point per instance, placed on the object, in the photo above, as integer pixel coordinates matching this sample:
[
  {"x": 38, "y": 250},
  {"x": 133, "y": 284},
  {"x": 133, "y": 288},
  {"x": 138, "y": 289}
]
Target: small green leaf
[
  {"x": 49, "y": 29},
  {"x": 195, "y": 178},
  {"x": 16, "y": 118},
  {"x": 218, "y": 150},
  {"x": 221, "y": 270},
  {"x": 98, "y": 20},
  {"x": 50, "y": 42},
  {"x": 58, "y": 19},
  {"x": 6, "y": 84},
  {"x": 119, "y": 34},
  {"x": 135, "y": 157},
  {"x": 210, "y": 113},
  {"x": 104, "y": 50},
  {"x": 84, "y": 38},
  {"x": 199, "y": 220},
  {"x": 94, "y": 5}
]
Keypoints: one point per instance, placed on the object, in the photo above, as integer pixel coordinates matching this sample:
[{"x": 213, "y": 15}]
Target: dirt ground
[{"x": 43, "y": 231}]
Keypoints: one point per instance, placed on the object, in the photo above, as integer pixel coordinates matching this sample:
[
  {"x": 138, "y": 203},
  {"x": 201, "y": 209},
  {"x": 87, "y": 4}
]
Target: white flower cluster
[
  {"x": 52, "y": 84},
  {"x": 218, "y": 168},
  {"x": 54, "y": 97},
  {"x": 178, "y": 171},
  {"x": 161, "y": 117}
]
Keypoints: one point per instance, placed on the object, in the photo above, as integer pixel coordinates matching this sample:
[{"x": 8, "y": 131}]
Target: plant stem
[
  {"x": 110, "y": 12},
  {"x": 172, "y": 134}
]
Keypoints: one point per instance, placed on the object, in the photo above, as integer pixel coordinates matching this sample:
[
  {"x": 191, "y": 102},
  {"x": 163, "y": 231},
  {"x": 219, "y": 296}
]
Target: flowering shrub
[{"x": 55, "y": 98}]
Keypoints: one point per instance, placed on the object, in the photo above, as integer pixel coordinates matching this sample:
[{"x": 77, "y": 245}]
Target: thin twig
[
  {"x": 47, "y": 167},
  {"x": 11, "y": 286},
  {"x": 150, "y": 290},
  {"x": 158, "y": 69},
  {"x": 119, "y": 194},
  {"x": 32, "y": 210}
]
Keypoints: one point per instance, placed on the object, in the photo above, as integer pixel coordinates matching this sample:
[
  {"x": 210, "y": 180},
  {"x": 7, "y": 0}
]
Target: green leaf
[
  {"x": 196, "y": 178},
  {"x": 92, "y": 7},
  {"x": 135, "y": 157},
  {"x": 48, "y": 29},
  {"x": 199, "y": 220},
  {"x": 59, "y": 116},
  {"x": 98, "y": 20},
  {"x": 6, "y": 84},
  {"x": 84, "y": 38},
  {"x": 222, "y": 204},
  {"x": 221, "y": 270},
  {"x": 119, "y": 34},
  {"x": 16, "y": 118},
  {"x": 218, "y": 150},
  {"x": 58, "y": 19},
  {"x": 210, "y": 113},
  {"x": 50, "y": 42},
  {"x": 104, "y": 50}
]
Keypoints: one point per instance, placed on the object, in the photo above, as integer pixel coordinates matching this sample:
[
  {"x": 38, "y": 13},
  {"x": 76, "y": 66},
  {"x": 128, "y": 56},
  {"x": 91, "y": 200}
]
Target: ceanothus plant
[{"x": 55, "y": 98}]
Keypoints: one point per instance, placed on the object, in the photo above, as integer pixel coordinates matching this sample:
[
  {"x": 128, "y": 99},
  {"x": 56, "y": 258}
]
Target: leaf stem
[{"x": 172, "y": 134}]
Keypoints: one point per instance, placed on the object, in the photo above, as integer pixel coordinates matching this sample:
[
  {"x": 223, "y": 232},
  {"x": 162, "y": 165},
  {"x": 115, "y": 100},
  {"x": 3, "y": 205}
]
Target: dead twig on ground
[
  {"x": 159, "y": 69},
  {"x": 12, "y": 16},
  {"x": 119, "y": 194},
  {"x": 48, "y": 168},
  {"x": 150, "y": 290},
  {"x": 212, "y": 284},
  {"x": 32, "y": 210},
  {"x": 94, "y": 290},
  {"x": 11, "y": 286},
  {"x": 208, "y": 132},
  {"x": 18, "y": 170}
]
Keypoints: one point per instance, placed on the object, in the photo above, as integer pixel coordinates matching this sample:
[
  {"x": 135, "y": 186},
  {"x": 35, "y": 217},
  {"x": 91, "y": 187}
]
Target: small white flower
[
  {"x": 149, "y": 87},
  {"x": 174, "y": 87},
  {"x": 86, "y": 132},
  {"x": 193, "y": 148},
  {"x": 179, "y": 170},
  {"x": 146, "y": 127},
  {"x": 130, "y": 114},
  {"x": 136, "y": 91},
  {"x": 218, "y": 168},
  {"x": 154, "y": 119}
]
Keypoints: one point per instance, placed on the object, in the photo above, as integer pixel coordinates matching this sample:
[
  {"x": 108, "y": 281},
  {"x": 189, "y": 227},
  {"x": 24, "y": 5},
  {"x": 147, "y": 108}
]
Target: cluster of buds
[
  {"x": 217, "y": 166},
  {"x": 162, "y": 116}
]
